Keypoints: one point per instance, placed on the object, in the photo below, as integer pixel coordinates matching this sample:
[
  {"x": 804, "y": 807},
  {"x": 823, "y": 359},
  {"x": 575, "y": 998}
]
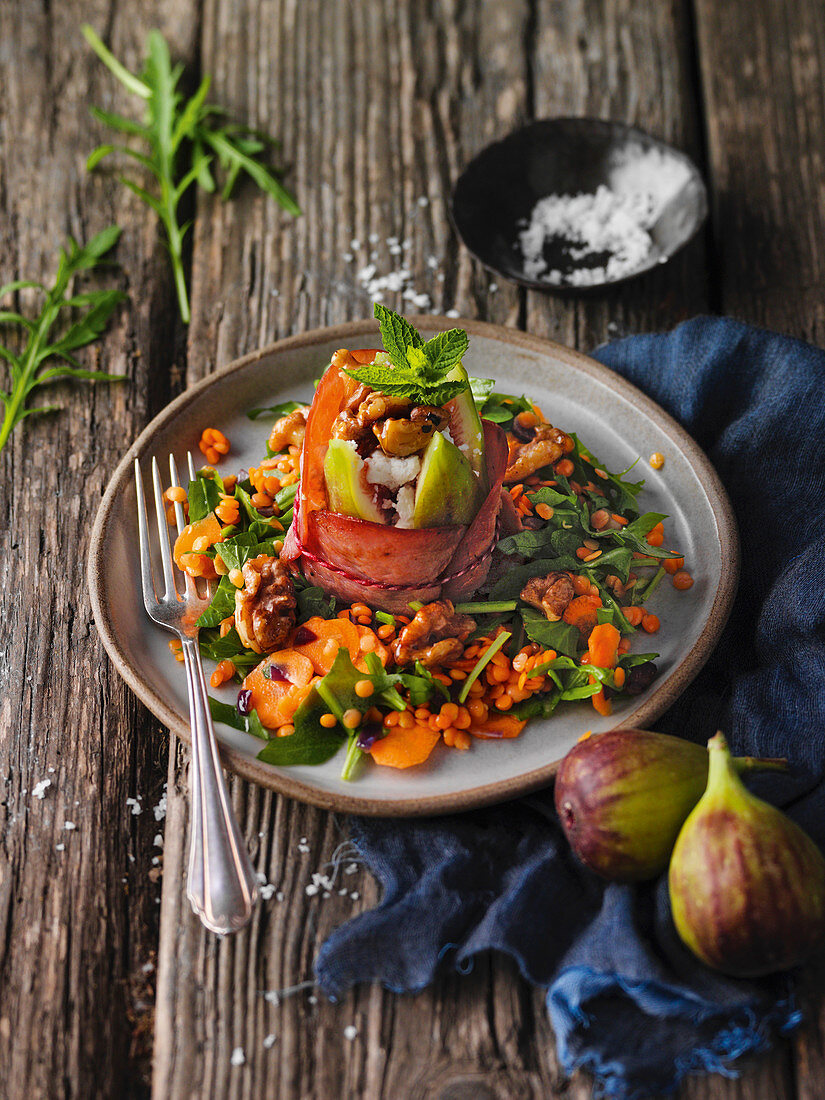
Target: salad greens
[
  {"x": 623, "y": 561},
  {"x": 182, "y": 139},
  {"x": 84, "y": 316}
]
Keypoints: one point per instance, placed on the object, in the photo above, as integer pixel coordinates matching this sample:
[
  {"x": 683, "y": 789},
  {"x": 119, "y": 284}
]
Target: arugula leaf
[
  {"x": 183, "y": 138},
  {"x": 560, "y": 636},
  {"x": 221, "y": 606},
  {"x": 502, "y": 408},
  {"x": 276, "y": 411},
  {"x": 226, "y": 713},
  {"x": 42, "y": 343},
  {"x": 416, "y": 370},
  {"x": 314, "y": 601},
  {"x": 204, "y": 497}
]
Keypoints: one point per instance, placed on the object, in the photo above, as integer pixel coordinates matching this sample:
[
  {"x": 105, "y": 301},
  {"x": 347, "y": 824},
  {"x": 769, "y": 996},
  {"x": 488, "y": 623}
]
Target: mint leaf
[
  {"x": 397, "y": 335},
  {"x": 446, "y": 349},
  {"x": 419, "y": 371}
]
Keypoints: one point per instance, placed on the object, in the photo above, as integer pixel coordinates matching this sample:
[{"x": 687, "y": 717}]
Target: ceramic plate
[{"x": 579, "y": 395}]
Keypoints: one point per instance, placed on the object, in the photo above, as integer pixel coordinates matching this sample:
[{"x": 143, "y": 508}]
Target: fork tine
[
  {"x": 192, "y": 473},
  {"x": 163, "y": 534},
  {"x": 146, "y": 573},
  {"x": 191, "y": 586},
  {"x": 179, "y": 513}
]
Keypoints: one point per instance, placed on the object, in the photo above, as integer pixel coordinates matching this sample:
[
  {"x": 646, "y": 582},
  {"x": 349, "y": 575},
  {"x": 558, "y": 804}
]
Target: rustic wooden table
[{"x": 108, "y": 985}]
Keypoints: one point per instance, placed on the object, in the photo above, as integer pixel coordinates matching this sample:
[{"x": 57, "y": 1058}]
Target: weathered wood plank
[
  {"x": 366, "y": 140},
  {"x": 77, "y": 924},
  {"x": 763, "y": 82},
  {"x": 763, "y": 79}
]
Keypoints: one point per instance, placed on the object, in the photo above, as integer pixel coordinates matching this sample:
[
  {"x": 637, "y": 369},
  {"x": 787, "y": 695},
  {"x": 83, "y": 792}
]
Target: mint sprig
[{"x": 418, "y": 370}]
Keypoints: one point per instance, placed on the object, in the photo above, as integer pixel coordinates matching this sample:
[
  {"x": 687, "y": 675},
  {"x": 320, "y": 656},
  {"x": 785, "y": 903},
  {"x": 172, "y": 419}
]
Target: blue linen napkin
[{"x": 626, "y": 999}]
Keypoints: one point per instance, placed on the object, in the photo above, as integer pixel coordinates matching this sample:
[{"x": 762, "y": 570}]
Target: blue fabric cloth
[{"x": 626, "y": 1000}]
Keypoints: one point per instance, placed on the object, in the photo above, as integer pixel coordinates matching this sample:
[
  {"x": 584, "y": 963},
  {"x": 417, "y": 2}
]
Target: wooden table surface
[{"x": 108, "y": 985}]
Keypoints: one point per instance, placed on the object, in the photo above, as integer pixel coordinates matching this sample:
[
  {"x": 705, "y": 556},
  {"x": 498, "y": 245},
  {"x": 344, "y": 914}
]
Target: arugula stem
[
  {"x": 352, "y": 759},
  {"x": 486, "y": 608},
  {"x": 648, "y": 591},
  {"x": 482, "y": 662},
  {"x": 29, "y": 366}
]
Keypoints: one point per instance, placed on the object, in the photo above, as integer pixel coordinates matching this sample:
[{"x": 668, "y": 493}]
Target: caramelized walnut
[
  {"x": 546, "y": 447},
  {"x": 265, "y": 606},
  {"x": 377, "y": 406},
  {"x": 435, "y": 635},
  {"x": 288, "y": 431},
  {"x": 550, "y": 594}
]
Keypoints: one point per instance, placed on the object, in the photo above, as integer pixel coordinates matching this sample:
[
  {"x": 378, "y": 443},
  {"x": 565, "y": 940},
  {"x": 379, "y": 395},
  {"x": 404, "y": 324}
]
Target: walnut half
[
  {"x": 550, "y": 594},
  {"x": 289, "y": 430},
  {"x": 546, "y": 447},
  {"x": 265, "y": 606},
  {"x": 436, "y": 634}
]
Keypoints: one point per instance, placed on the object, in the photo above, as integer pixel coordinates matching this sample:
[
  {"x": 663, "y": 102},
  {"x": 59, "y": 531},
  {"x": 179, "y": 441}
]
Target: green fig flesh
[
  {"x": 446, "y": 492},
  {"x": 347, "y": 490},
  {"x": 747, "y": 885}
]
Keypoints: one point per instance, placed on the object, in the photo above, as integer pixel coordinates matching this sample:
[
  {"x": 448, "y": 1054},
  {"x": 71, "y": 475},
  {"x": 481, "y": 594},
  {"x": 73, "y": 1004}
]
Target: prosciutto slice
[{"x": 375, "y": 563}]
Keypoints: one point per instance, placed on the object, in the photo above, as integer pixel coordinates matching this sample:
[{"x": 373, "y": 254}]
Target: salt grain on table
[
  {"x": 39, "y": 789},
  {"x": 238, "y": 1057}
]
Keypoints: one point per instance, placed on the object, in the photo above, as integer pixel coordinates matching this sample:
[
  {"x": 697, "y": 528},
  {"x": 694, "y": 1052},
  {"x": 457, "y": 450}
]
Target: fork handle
[{"x": 221, "y": 883}]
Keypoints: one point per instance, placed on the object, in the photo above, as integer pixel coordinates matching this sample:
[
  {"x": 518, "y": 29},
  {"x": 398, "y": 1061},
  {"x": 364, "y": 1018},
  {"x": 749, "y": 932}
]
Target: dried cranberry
[
  {"x": 244, "y": 704},
  {"x": 640, "y": 677},
  {"x": 368, "y": 735},
  {"x": 522, "y": 432},
  {"x": 276, "y": 673},
  {"x": 303, "y": 636}
]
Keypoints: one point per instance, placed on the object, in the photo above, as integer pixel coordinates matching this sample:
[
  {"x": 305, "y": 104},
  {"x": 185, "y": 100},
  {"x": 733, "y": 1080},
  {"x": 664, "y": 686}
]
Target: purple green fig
[
  {"x": 747, "y": 885},
  {"x": 623, "y": 796},
  {"x": 347, "y": 487},
  {"x": 447, "y": 489}
]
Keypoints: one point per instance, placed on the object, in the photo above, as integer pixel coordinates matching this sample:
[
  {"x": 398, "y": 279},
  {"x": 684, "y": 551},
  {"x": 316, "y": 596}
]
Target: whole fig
[
  {"x": 623, "y": 796},
  {"x": 747, "y": 885}
]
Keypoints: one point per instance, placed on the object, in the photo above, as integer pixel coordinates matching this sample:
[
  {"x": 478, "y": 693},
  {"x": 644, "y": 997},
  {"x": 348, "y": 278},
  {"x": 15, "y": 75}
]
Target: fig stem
[
  {"x": 722, "y": 771},
  {"x": 760, "y": 763}
]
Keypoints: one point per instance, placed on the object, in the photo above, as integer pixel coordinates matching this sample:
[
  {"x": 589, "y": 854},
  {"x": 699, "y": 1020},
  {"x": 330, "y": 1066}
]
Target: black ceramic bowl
[{"x": 497, "y": 191}]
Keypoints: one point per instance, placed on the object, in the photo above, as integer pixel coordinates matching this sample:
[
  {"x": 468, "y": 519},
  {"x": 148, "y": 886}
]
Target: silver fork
[{"x": 221, "y": 884}]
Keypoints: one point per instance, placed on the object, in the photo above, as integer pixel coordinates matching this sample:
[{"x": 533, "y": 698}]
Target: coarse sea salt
[
  {"x": 39, "y": 789},
  {"x": 237, "y": 1057},
  {"x": 602, "y": 236}
]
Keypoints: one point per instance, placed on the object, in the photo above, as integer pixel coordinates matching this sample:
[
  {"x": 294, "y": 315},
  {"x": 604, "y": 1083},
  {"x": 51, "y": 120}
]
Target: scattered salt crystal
[
  {"x": 62, "y": 848},
  {"x": 392, "y": 241},
  {"x": 260, "y": 876},
  {"x": 451, "y": 313},
  {"x": 51, "y": 770},
  {"x": 423, "y": 200},
  {"x": 269, "y": 1041},
  {"x": 69, "y": 825},
  {"x": 355, "y": 895},
  {"x": 395, "y": 250},
  {"x": 279, "y": 896},
  {"x": 310, "y": 890},
  {"x": 160, "y": 809},
  {"x": 39, "y": 789},
  {"x": 493, "y": 287},
  {"x": 158, "y": 841},
  {"x": 432, "y": 262},
  {"x": 131, "y": 858},
  {"x": 350, "y": 1031},
  {"x": 148, "y": 967},
  {"x": 266, "y": 891},
  {"x": 271, "y": 997},
  {"x": 342, "y": 891},
  {"x": 312, "y": 1000},
  {"x": 238, "y": 1057},
  {"x": 373, "y": 238},
  {"x": 155, "y": 860},
  {"x": 351, "y": 869},
  {"x": 355, "y": 244},
  {"x": 347, "y": 256},
  {"x": 136, "y": 806}
]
